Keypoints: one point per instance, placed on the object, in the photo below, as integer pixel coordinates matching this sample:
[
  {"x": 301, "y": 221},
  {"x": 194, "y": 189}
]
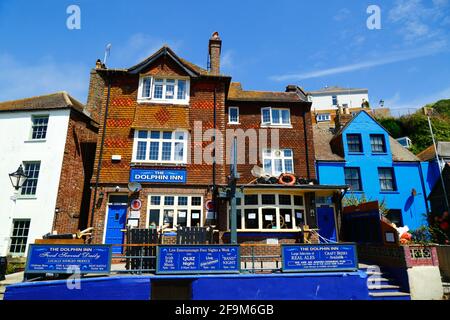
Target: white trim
[
  {"x": 271, "y": 123},
  {"x": 152, "y": 99},
  {"x": 173, "y": 141},
  {"x": 273, "y": 156}
]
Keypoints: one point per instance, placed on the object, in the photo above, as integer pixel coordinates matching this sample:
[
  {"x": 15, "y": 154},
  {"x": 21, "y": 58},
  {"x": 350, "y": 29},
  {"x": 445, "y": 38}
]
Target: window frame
[
  {"x": 383, "y": 140},
  {"x": 361, "y": 188},
  {"x": 33, "y": 125},
  {"x": 176, "y": 207},
  {"x": 273, "y": 158},
  {"x": 229, "y": 115},
  {"x": 393, "y": 178},
  {"x": 320, "y": 117},
  {"x": 153, "y": 80},
  {"x": 28, "y": 180},
  {"x": 361, "y": 149},
  {"x": 13, "y": 237},
  {"x": 173, "y": 141},
  {"x": 271, "y": 123},
  {"x": 259, "y": 208}
]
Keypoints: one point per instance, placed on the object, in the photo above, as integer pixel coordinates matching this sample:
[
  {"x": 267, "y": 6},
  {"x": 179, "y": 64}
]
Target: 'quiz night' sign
[
  {"x": 158, "y": 176},
  {"x": 319, "y": 257},
  {"x": 195, "y": 259},
  {"x": 84, "y": 259}
]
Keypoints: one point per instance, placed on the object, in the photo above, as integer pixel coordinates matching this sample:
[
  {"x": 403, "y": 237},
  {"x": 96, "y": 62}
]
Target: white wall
[
  {"x": 325, "y": 102},
  {"x": 15, "y": 130}
]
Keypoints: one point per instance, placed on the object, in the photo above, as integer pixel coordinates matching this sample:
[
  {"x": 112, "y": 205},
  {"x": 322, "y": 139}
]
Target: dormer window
[{"x": 164, "y": 90}]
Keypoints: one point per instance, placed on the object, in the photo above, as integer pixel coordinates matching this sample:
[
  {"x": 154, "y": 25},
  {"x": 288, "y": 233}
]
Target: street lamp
[{"x": 18, "y": 178}]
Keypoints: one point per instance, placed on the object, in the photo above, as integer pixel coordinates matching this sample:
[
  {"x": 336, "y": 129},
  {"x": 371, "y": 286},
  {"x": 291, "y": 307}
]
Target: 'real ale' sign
[{"x": 319, "y": 257}]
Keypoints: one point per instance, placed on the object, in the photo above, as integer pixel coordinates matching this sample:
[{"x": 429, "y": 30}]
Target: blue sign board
[
  {"x": 197, "y": 259},
  {"x": 319, "y": 257},
  {"x": 158, "y": 176},
  {"x": 43, "y": 258}
]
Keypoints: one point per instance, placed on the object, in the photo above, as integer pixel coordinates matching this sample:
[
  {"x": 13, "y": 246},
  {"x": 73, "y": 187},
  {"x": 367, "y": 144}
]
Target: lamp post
[{"x": 17, "y": 178}]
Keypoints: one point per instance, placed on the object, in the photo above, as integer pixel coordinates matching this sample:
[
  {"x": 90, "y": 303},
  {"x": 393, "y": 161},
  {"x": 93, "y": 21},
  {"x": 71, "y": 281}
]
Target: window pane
[
  {"x": 233, "y": 115},
  {"x": 157, "y": 94},
  {"x": 180, "y": 135},
  {"x": 170, "y": 90},
  {"x": 147, "y": 87},
  {"x": 182, "y": 218},
  {"x": 266, "y": 115},
  {"x": 32, "y": 171},
  {"x": 352, "y": 178},
  {"x": 251, "y": 199},
  {"x": 251, "y": 219},
  {"x": 286, "y": 219},
  {"x": 142, "y": 134},
  {"x": 284, "y": 199},
  {"x": 268, "y": 166},
  {"x": 19, "y": 236},
  {"x": 167, "y": 135},
  {"x": 377, "y": 143},
  {"x": 269, "y": 218},
  {"x": 154, "y": 150},
  {"x": 286, "y": 117},
  {"x": 155, "y": 200},
  {"x": 169, "y": 200},
  {"x": 288, "y": 166},
  {"x": 196, "y": 201},
  {"x": 182, "y": 201},
  {"x": 181, "y": 95},
  {"x": 155, "y": 135},
  {"x": 179, "y": 151},
  {"x": 168, "y": 217},
  {"x": 354, "y": 143},
  {"x": 154, "y": 217},
  {"x": 195, "y": 218},
  {"x": 278, "y": 166},
  {"x": 141, "y": 150},
  {"x": 276, "y": 117},
  {"x": 167, "y": 151},
  {"x": 298, "y": 200},
  {"x": 268, "y": 199},
  {"x": 39, "y": 129},
  {"x": 287, "y": 152}
]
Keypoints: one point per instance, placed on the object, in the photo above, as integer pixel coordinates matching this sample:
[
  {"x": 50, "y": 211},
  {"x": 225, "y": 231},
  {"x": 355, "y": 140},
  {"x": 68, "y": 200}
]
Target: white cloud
[
  {"x": 19, "y": 79},
  {"x": 385, "y": 59},
  {"x": 342, "y": 14},
  {"x": 227, "y": 60}
]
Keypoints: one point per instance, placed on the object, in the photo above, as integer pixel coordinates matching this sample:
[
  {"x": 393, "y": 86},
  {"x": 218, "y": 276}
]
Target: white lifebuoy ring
[{"x": 291, "y": 177}]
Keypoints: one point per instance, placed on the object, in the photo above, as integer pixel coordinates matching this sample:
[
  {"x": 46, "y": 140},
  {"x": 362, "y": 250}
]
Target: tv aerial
[{"x": 134, "y": 187}]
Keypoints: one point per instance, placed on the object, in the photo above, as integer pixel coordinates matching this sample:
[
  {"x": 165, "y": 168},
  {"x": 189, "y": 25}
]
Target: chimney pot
[{"x": 215, "y": 48}]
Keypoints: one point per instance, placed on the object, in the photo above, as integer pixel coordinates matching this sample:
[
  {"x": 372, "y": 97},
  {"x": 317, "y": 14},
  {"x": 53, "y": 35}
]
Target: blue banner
[
  {"x": 158, "y": 176},
  {"x": 319, "y": 257},
  {"x": 196, "y": 259},
  {"x": 43, "y": 258}
]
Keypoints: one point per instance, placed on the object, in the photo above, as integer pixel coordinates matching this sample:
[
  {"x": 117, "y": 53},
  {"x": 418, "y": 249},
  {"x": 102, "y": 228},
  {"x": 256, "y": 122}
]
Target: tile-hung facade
[
  {"x": 150, "y": 116},
  {"x": 54, "y": 140},
  {"x": 361, "y": 154}
]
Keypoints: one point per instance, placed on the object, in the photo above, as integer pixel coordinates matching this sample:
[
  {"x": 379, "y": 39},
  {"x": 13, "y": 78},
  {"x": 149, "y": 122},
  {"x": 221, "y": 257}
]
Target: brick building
[
  {"x": 159, "y": 122},
  {"x": 54, "y": 139}
]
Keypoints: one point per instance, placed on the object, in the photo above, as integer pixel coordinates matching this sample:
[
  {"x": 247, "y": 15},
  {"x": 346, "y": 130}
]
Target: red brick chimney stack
[{"x": 215, "y": 47}]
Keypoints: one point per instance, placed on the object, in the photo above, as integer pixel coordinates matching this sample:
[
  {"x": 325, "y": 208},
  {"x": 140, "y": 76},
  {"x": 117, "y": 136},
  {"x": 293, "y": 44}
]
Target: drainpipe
[
  {"x": 422, "y": 182},
  {"x": 100, "y": 158},
  {"x": 305, "y": 131}
]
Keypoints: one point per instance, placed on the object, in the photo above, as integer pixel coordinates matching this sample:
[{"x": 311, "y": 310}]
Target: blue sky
[{"x": 266, "y": 44}]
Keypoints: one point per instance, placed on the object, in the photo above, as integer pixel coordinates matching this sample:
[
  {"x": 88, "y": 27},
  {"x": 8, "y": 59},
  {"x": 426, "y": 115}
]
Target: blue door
[
  {"x": 117, "y": 216},
  {"x": 327, "y": 225}
]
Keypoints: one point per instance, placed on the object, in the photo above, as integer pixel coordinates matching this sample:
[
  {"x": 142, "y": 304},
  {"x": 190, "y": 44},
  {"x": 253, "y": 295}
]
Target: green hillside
[{"x": 415, "y": 126}]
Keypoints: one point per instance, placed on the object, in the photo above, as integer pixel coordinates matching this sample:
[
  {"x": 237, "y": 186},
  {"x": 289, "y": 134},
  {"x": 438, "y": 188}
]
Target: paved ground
[{"x": 10, "y": 279}]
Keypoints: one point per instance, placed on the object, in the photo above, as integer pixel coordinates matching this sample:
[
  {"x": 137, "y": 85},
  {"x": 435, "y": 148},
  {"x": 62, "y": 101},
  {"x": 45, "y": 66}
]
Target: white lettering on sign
[{"x": 158, "y": 177}]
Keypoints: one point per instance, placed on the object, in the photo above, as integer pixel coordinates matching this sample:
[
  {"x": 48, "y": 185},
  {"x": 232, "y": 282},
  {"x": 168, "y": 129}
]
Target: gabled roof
[
  {"x": 236, "y": 93},
  {"x": 326, "y": 153},
  {"x": 59, "y": 100}
]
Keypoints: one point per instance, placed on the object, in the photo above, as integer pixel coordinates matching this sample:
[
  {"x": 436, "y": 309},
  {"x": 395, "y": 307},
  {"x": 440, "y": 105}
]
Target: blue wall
[
  {"x": 431, "y": 174},
  {"x": 313, "y": 286},
  {"x": 407, "y": 174}
]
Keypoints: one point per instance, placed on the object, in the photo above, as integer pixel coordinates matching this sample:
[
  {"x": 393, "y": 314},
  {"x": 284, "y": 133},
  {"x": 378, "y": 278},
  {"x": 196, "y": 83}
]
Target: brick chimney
[
  {"x": 215, "y": 47},
  {"x": 343, "y": 116}
]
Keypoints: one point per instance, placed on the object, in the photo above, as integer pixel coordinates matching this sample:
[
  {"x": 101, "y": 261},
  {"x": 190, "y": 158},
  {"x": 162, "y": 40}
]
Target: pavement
[{"x": 10, "y": 279}]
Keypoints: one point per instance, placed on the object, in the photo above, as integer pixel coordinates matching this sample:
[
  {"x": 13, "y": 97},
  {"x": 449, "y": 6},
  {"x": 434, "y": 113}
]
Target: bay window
[
  {"x": 160, "y": 146},
  {"x": 163, "y": 90},
  {"x": 275, "y": 117},
  {"x": 270, "y": 212},
  {"x": 276, "y": 162}
]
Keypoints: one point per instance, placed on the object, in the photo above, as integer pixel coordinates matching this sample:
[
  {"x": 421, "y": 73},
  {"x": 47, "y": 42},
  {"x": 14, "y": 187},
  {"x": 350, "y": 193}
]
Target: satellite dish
[
  {"x": 259, "y": 172},
  {"x": 134, "y": 187}
]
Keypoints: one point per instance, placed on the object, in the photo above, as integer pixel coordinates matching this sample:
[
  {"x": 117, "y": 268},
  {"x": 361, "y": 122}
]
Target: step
[
  {"x": 383, "y": 287},
  {"x": 389, "y": 296}
]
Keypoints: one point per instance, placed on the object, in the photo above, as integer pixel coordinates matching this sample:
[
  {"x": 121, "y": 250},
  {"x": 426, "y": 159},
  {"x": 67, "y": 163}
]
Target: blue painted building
[{"x": 360, "y": 153}]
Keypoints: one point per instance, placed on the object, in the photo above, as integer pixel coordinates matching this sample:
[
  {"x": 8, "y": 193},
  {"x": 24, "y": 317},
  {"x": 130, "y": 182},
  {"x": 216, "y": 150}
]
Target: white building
[
  {"x": 325, "y": 102},
  {"x": 33, "y": 133}
]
